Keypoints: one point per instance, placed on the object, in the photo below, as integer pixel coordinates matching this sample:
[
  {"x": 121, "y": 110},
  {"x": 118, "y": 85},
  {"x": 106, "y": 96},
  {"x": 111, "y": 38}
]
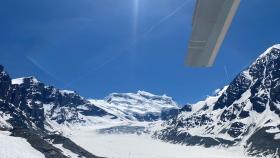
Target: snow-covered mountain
[
  {"x": 52, "y": 106},
  {"x": 140, "y": 106},
  {"x": 245, "y": 113},
  {"x": 37, "y": 112}
]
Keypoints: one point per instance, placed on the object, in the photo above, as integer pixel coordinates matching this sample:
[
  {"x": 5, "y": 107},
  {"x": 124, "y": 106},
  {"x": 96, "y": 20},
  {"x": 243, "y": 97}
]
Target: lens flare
[{"x": 135, "y": 17}]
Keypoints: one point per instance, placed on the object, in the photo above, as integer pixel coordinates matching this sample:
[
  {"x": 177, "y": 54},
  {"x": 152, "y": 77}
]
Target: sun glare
[{"x": 135, "y": 17}]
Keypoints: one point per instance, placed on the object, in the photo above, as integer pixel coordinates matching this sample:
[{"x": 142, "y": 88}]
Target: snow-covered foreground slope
[
  {"x": 143, "y": 146},
  {"x": 15, "y": 147}
]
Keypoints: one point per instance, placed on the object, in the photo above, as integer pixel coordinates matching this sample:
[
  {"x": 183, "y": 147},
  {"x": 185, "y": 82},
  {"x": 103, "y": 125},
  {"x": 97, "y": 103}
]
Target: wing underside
[{"x": 211, "y": 21}]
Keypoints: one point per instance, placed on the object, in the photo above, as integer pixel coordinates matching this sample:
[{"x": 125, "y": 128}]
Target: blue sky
[{"x": 97, "y": 47}]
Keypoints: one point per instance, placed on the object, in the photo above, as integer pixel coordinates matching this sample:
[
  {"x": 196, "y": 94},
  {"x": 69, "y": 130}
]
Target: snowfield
[
  {"x": 15, "y": 147},
  {"x": 143, "y": 146}
]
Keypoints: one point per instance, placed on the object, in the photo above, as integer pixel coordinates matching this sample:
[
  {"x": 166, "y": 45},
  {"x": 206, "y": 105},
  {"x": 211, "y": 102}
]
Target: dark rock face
[
  {"x": 124, "y": 129},
  {"x": 244, "y": 110},
  {"x": 172, "y": 135},
  {"x": 170, "y": 113},
  {"x": 187, "y": 108},
  {"x": 146, "y": 117},
  {"x": 263, "y": 143},
  {"x": 37, "y": 142},
  {"x": 236, "y": 129},
  {"x": 68, "y": 144},
  {"x": 43, "y": 142},
  {"x": 236, "y": 88},
  {"x": 30, "y": 102},
  {"x": 150, "y": 117}
]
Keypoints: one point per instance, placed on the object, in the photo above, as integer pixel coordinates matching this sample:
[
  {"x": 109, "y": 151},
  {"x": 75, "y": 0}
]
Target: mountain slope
[{"x": 245, "y": 113}]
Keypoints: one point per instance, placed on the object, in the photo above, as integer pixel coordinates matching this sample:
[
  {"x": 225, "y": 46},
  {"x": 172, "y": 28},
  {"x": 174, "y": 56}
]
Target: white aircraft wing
[{"x": 211, "y": 21}]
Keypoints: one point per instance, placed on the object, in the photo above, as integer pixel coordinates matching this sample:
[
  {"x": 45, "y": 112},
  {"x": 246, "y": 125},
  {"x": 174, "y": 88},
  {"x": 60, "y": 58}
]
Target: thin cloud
[
  {"x": 166, "y": 18},
  {"x": 39, "y": 66},
  {"x": 226, "y": 73},
  {"x": 106, "y": 62}
]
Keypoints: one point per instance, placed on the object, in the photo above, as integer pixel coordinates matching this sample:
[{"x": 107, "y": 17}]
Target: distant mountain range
[{"x": 245, "y": 113}]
